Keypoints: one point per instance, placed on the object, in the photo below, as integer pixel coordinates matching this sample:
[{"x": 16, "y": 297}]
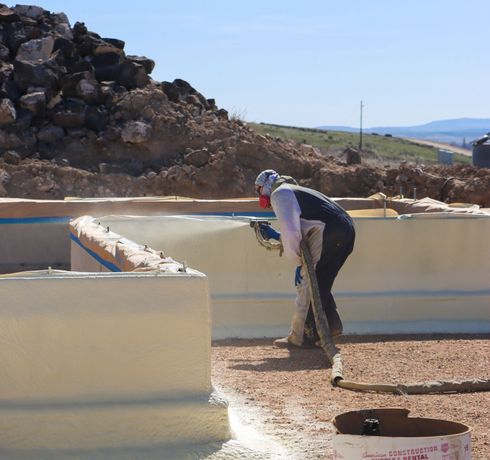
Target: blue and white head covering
[{"x": 266, "y": 180}]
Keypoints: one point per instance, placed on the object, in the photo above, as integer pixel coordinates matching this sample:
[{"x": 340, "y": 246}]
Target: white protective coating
[
  {"x": 101, "y": 365},
  {"x": 407, "y": 275},
  {"x": 33, "y": 244},
  {"x": 250, "y": 295},
  {"x": 106, "y": 361},
  {"x": 422, "y": 274},
  {"x": 33, "y": 232}
]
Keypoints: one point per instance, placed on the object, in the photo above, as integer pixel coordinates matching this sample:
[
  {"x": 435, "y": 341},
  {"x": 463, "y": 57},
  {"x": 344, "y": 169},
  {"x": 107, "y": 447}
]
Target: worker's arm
[{"x": 288, "y": 212}]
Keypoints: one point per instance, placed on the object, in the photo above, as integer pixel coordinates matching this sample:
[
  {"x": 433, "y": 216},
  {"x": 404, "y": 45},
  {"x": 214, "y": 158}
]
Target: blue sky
[{"x": 310, "y": 63}]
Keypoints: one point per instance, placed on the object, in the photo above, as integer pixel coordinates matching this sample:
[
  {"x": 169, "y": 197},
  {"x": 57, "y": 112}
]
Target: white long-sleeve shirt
[{"x": 293, "y": 226}]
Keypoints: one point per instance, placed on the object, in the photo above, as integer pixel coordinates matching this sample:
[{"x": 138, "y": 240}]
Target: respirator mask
[{"x": 264, "y": 201}]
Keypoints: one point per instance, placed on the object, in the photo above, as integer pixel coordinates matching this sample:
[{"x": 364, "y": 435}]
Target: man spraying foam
[{"x": 328, "y": 230}]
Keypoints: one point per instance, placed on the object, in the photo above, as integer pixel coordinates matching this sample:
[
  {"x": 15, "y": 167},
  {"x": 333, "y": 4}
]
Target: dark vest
[{"x": 316, "y": 206}]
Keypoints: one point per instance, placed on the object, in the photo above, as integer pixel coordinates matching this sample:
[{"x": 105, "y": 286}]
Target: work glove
[
  {"x": 268, "y": 232},
  {"x": 297, "y": 276}
]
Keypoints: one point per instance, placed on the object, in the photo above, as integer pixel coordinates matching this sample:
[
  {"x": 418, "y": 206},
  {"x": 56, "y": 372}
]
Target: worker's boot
[
  {"x": 335, "y": 326},
  {"x": 290, "y": 341},
  {"x": 334, "y": 322}
]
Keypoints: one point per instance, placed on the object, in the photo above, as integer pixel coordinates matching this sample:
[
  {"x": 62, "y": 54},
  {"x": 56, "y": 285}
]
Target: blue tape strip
[
  {"x": 109, "y": 265},
  {"x": 35, "y": 220},
  {"x": 66, "y": 219}
]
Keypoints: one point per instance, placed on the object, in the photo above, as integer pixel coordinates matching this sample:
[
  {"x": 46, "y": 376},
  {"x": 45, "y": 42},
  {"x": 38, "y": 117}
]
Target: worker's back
[{"x": 315, "y": 205}]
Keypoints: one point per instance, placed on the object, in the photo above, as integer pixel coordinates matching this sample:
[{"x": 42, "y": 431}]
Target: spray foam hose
[{"x": 333, "y": 353}]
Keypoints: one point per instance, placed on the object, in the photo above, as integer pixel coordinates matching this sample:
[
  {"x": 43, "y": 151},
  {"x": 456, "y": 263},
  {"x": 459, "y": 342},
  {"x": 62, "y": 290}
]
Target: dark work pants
[{"x": 338, "y": 243}]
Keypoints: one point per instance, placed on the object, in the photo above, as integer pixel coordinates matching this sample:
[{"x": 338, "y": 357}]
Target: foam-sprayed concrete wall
[
  {"x": 34, "y": 235},
  {"x": 419, "y": 274},
  {"x": 33, "y": 243},
  {"x": 250, "y": 297},
  {"x": 95, "y": 363}
]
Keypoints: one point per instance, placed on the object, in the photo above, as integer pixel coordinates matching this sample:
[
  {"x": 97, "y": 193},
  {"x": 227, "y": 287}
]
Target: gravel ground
[{"x": 286, "y": 394}]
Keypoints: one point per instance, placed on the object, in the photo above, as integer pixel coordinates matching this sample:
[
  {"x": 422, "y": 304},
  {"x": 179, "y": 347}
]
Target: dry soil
[{"x": 286, "y": 393}]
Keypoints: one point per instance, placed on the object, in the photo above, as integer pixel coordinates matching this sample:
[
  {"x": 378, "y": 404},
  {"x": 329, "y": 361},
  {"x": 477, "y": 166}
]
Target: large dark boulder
[
  {"x": 84, "y": 86},
  {"x": 35, "y": 103},
  {"x": 33, "y": 31},
  {"x": 92, "y": 45},
  {"x": 115, "y": 42},
  {"x": 36, "y": 50},
  {"x": 172, "y": 91},
  {"x": 4, "y": 52},
  {"x": 79, "y": 30},
  {"x": 106, "y": 66},
  {"x": 67, "y": 48},
  {"x": 45, "y": 74},
  {"x": 50, "y": 134},
  {"x": 80, "y": 66},
  {"x": 16, "y": 35},
  {"x": 8, "y": 88},
  {"x": 97, "y": 118},
  {"x": 23, "y": 121},
  {"x": 180, "y": 90},
  {"x": 70, "y": 82},
  {"x": 7, "y": 14},
  {"x": 70, "y": 114},
  {"x": 148, "y": 64},
  {"x": 29, "y": 11},
  {"x": 106, "y": 59},
  {"x": 132, "y": 75}
]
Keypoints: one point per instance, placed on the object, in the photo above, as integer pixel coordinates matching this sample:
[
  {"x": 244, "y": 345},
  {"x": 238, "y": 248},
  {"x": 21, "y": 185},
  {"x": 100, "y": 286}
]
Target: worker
[{"x": 328, "y": 230}]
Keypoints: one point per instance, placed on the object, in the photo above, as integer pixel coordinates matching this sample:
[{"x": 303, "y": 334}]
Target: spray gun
[{"x": 262, "y": 237}]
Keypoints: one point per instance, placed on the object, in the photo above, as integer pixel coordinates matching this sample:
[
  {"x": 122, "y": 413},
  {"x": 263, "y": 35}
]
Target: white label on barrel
[{"x": 353, "y": 447}]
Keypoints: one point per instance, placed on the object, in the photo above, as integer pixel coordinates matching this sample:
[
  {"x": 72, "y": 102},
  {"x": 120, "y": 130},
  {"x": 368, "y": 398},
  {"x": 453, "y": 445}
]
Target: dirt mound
[{"x": 80, "y": 117}]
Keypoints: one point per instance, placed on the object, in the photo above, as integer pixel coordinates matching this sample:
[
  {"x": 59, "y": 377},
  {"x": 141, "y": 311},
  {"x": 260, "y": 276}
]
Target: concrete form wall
[
  {"x": 34, "y": 244},
  {"x": 422, "y": 274},
  {"x": 96, "y": 363},
  {"x": 34, "y": 235},
  {"x": 427, "y": 274}
]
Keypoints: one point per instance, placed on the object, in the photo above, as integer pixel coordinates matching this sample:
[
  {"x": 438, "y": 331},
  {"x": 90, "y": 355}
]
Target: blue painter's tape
[
  {"x": 66, "y": 219},
  {"x": 35, "y": 220},
  {"x": 109, "y": 265}
]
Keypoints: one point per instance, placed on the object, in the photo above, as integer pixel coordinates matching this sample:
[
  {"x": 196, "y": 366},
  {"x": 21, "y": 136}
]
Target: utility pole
[{"x": 360, "y": 130}]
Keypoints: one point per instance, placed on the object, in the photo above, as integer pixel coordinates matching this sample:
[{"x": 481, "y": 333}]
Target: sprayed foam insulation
[{"x": 433, "y": 279}]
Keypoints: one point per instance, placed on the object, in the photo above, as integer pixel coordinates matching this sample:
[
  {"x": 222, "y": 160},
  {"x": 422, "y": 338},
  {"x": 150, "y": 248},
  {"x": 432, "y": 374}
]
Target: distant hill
[
  {"x": 380, "y": 150},
  {"x": 455, "y": 131}
]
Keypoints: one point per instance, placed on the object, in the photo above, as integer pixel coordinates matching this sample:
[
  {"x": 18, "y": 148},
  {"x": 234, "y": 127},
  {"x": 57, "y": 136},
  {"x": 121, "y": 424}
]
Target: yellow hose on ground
[{"x": 333, "y": 353}]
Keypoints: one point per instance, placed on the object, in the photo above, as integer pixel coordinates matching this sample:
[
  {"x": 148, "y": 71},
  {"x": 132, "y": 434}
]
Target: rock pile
[
  {"x": 70, "y": 98},
  {"x": 57, "y": 81},
  {"x": 78, "y": 116}
]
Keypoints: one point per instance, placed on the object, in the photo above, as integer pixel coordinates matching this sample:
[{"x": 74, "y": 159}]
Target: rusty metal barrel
[{"x": 392, "y": 434}]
